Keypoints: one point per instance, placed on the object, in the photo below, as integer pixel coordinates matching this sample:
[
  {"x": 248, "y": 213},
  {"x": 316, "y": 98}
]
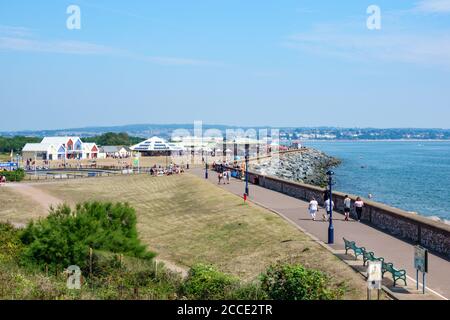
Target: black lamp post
[
  {"x": 247, "y": 147},
  {"x": 330, "y": 207}
]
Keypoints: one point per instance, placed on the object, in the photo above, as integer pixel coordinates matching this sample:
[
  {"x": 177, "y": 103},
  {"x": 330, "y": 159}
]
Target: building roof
[
  {"x": 89, "y": 146},
  {"x": 111, "y": 149},
  {"x": 152, "y": 144},
  {"x": 59, "y": 140},
  {"x": 36, "y": 147}
]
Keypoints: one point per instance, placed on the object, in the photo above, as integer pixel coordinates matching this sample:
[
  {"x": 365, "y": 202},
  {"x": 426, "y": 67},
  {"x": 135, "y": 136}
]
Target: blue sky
[{"x": 279, "y": 63}]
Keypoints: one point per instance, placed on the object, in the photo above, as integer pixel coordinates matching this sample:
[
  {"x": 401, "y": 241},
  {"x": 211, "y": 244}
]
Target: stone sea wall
[{"x": 410, "y": 227}]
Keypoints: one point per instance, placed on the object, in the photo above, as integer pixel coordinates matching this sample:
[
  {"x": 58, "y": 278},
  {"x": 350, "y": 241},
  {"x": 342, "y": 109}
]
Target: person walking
[
  {"x": 347, "y": 207},
  {"x": 225, "y": 174},
  {"x": 220, "y": 176},
  {"x": 228, "y": 175},
  {"x": 328, "y": 206},
  {"x": 313, "y": 208},
  {"x": 359, "y": 204}
]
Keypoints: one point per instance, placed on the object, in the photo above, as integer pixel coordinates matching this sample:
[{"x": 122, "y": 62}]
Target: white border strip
[{"x": 427, "y": 288}]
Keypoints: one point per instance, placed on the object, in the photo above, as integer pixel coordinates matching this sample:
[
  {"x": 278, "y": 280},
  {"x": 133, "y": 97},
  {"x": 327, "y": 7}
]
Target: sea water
[{"x": 410, "y": 175}]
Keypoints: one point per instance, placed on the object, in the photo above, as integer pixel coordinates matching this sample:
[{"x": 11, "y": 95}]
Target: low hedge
[
  {"x": 295, "y": 282},
  {"x": 15, "y": 175},
  {"x": 205, "y": 282}
]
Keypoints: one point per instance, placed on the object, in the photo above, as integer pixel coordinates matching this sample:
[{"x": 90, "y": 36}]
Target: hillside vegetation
[
  {"x": 15, "y": 143},
  {"x": 189, "y": 222},
  {"x": 100, "y": 239},
  {"x": 113, "y": 139}
]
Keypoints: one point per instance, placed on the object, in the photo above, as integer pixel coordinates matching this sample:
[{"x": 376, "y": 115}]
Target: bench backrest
[{"x": 349, "y": 243}]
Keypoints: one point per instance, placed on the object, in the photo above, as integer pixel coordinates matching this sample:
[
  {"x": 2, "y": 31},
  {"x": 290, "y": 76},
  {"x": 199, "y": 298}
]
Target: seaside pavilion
[{"x": 156, "y": 146}]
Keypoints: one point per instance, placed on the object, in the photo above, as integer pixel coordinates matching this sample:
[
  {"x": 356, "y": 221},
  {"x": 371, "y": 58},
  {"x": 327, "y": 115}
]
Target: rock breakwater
[{"x": 306, "y": 166}]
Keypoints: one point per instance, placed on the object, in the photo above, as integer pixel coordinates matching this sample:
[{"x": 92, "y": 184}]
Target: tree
[
  {"x": 16, "y": 143},
  {"x": 113, "y": 139},
  {"x": 65, "y": 236}
]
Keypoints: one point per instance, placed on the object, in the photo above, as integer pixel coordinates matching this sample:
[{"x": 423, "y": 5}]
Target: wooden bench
[
  {"x": 370, "y": 256},
  {"x": 351, "y": 245},
  {"x": 396, "y": 273}
]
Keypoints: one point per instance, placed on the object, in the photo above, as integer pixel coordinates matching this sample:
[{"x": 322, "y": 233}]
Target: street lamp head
[{"x": 330, "y": 173}]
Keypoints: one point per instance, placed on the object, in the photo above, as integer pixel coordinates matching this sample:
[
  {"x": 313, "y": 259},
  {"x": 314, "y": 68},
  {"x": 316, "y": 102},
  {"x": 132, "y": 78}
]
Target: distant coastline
[{"x": 375, "y": 140}]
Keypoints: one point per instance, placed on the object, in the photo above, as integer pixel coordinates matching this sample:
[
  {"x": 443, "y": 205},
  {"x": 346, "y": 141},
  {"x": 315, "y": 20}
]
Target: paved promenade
[{"x": 392, "y": 249}]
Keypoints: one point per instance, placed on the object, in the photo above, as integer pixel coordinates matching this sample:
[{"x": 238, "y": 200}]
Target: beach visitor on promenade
[
  {"x": 313, "y": 208},
  {"x": 225, "y": 174},
  {"x": 359, "y": 204},
  {"x": 347, "y": 206},
  {"x": 228, "y": 176},
  {"x": 219, "y": 176},
  {"x": 325, "y": 215}
]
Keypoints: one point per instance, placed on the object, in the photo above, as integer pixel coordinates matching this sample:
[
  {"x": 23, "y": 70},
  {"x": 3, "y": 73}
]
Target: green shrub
[
  {"x": 295, "y": 282},
  {"x": 10, "y": 244},
  {"x": 15, "y": 175},
  {"x": 65, "y": 236},
  {"x": 249, "y": 291},
  {"x": 205, "y": 282}
]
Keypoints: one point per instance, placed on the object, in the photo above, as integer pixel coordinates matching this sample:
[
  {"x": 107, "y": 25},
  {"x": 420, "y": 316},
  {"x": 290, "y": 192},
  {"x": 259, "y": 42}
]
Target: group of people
[
  {"x": 117, "y": 156},
  {"x": 170, "y": 170},
  {"x": 358, "y": 205},
  {"x": 224, "y": 176},
  {"x": 223, "y": 172}
]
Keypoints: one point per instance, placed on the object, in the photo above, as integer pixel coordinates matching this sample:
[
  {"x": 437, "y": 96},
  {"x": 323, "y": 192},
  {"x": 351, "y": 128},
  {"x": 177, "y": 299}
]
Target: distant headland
[{"x": 286, "y": 133}]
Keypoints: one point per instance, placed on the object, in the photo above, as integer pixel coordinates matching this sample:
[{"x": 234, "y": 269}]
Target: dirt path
[
  {"x": 27, "y": 190},
  {"x": 173, "y": 267}
]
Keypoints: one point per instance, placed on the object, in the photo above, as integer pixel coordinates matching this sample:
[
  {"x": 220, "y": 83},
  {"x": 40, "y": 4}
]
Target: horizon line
[{"x": 90, "y": 127}]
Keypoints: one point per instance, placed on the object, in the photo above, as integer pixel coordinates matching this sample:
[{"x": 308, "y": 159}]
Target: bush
[
  {"x": 65, "y": 236},
  {"x": 294, "y": 282},
  {"x": 205, "y": 282},
  {"x": 249, "y": 291},
  {"x": 10, "y": 244},
  {"x": 15, "y": 175}
]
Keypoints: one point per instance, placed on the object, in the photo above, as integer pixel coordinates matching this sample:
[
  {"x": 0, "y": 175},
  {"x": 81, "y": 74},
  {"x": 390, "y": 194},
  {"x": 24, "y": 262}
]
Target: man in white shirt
[
  {"x": 313, "y": 208},
  {"x": 347, "y": 206},
  {"x": 326, "y": 214}
]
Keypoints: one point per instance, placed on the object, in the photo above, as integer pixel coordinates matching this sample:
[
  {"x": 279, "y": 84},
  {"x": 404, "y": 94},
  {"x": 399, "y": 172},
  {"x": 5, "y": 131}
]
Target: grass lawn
[
  {"x": 187, "y": 220},
  {"x": 4, "y": 157}
]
